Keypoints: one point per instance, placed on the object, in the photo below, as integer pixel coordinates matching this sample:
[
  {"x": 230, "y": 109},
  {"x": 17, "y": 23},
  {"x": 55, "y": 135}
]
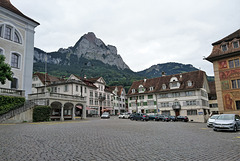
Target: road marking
[
  {"x": 238, "y": 137},
  {"x": 204, "y": 128},
  {"x": 55, "y": 123},
  {"x": 7, "y": 124}
]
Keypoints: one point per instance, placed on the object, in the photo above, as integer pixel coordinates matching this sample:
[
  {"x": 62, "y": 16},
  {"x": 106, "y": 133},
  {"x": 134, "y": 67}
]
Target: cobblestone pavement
[{"x": 116, "y": 139}]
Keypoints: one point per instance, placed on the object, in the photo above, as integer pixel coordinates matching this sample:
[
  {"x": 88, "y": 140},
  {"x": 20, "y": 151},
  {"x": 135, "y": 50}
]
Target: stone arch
[
  {"x": 79, "y": 110},
  {"x": 56, "y": 109}
]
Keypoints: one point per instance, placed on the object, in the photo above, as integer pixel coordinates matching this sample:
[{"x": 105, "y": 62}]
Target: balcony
[
  {"x": 12, "y": 92},
  {"x": 56, "y": 96}
]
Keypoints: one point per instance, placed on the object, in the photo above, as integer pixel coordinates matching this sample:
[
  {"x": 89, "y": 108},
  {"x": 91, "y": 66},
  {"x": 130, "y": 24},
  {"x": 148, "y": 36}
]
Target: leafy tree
[{"x": 5, "y": 71}]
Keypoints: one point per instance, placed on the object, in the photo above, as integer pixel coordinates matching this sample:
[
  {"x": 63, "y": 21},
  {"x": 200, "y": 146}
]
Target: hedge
[
  {"x": 41, "y": 113},
  {"x": 8, "y": 103}
]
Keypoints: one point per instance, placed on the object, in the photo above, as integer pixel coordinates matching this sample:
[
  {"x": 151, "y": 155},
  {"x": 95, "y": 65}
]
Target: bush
[
  {"x": 8, "y": 103},
  {"x": 41, "y": 113}
]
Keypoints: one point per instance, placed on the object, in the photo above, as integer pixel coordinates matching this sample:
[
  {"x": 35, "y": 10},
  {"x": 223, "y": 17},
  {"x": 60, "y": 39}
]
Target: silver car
[
  {"x": 230, "y": 122},
  {"x": 105, "y": 115}
]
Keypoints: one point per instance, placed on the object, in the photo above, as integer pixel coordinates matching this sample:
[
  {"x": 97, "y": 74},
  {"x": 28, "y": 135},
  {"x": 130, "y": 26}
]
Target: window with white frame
[
  {"x": 189, "y": 83},
  {"x": 14, "y": 83},
  {"x": 65, "y": 88},
  {"x": 224, "y": 47},
  {"x": 235, "y": 44},
  {"x": 133, "y": 90},
  {"x": 190, "y": 93},
  {"x": 141, "y": 89},
  {"x": 164, "y": 86},
  {"x": 191, "y": 103},
  {"x": 191, "y": 112},
  {"x": 9, "y": 32},
  {"x": 151, "y": 88},
  {"x": 15, "y": 60}
]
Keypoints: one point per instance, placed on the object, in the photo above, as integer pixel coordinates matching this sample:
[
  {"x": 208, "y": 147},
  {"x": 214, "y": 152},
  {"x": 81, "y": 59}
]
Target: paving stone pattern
[{"x": 116, "y": 139}]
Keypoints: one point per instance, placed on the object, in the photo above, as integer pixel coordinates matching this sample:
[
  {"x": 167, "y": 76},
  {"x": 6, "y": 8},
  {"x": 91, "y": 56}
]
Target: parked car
[
  {"x": 162, "y": 117},
  {"x": 154, "y": 117},
  {"x": 229, "y": 122},
  {"x": 182, "y": 118},
  {"x": 211, "y": 120},
  {"x": 166, "y": 118},
  {"x": 105, "y": 115},
  {"x": 124, "y": 115},
  {"x": 140, "y": 116},
  {"x": 173, "y": 118}
]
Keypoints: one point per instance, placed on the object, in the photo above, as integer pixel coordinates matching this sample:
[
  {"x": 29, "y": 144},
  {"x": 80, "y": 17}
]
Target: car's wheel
[
  {"x": 214, "y": 129},
  {"x": 235, "y": 128},
  {"x": 131, "y": 119}
]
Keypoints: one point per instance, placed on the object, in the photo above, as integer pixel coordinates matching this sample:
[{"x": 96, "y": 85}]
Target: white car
[
  {"x": 211, "y": 120},
  {"x": 124, "y": 115},
  {"x": 105, "y": 115}
]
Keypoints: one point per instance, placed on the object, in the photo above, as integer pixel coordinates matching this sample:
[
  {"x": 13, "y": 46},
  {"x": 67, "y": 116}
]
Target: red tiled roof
[
  {"x": 49, "y": 78},
  {"x": 230, "y": 37},
  {"x": 196, "y": 77},
  {"x": 120, "y": 89},
  {"x": 217, "y": 53},
  {"x": 8, "y": 5}
]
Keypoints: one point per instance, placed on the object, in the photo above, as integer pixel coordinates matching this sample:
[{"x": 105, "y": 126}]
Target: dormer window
[
  {"x": 141, "y": 89},
  {"x": 235, "y": 44},
  {"x": 164, "y": 86},
  {"x": 133, "y": 90},
  {"x": 189, "y": 83},
  {"x": 224, "y": 47},
  {"x": 151, "y": 88},
  {"x": 174, "y": 83}
]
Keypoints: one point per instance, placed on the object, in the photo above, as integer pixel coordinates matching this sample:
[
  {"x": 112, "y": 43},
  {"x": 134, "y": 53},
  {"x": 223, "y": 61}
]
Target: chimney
[
  {"x": 85, "y": 77},
  {"x": 163, "y": 73},
  {"x": 144, "y": 80}
]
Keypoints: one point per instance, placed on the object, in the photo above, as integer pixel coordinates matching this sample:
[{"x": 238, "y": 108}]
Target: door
[{"x": 177, "y": 112}]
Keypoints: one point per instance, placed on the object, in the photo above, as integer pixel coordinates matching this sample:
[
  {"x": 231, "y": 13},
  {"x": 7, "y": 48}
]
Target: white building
[
  {"x": 119, "y": 99},
  {"x": 180, "y": 94},
  {"x": 16, "y": 44}
]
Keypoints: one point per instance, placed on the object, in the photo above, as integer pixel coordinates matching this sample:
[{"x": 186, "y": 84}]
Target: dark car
[
  {"x": 182, "y": 118},
  {"x": 162, "y": 117},
  {"x": 166, "y": 118},
  {"x": 173, "y": 118},
  {"x": 154, "y": 117},
  {"x": 140, "y": 116}
]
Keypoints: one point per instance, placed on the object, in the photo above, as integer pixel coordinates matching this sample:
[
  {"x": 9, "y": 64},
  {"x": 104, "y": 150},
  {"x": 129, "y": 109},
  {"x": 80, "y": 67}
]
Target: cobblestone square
[{"x": 96, "y": 139}]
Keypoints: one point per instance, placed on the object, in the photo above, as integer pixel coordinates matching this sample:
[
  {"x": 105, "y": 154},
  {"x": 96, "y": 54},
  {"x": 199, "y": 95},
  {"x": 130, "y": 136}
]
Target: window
[
  {"x": 176, "y": 94},
  {"x": 190, "y": 103},
  {"x": 189, "y": 93},
  {"x": 234, "y": 63},
  {"x": 191, "y": 112},
  {"x": 163, "y": 95},
  {"x": 214, "y": 105},
  {"x": 235, "y": 84},
  {"x": 238, "y": 105},
  {"x": 76, "y": 88},
  {"x": 151, "y": 88},
  {"x": 133, "y": 90},
  {"x": 164, "y": 86},
  {"x": 96, "y": 94},
  {"x": 150, "y": 96},
  {"x": 165, "y": 104},
  {"x": 167, "y": 113},
  {"x": 224, "y": 47},
  {"x": 15, "y": 58},
  {"x": 65, "y": 88},
  {"x": 8, "y": 32},
  {"x": 189, "y": 83},
  {"x": 235, "y": 44},
  {"x": 14, "y": 83},
  {"x": 91, "y": 93},
  {"x": 1, "y": 51}
]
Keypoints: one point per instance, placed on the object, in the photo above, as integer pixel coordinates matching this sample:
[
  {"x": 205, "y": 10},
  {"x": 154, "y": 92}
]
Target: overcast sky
[{"x": 145, "y": 32}]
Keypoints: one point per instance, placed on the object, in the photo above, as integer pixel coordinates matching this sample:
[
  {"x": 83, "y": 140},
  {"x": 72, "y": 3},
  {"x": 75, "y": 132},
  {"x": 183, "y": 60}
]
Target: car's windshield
[
  {"x": 214, "y": 117},
  {"x": 226, "y": 117}
]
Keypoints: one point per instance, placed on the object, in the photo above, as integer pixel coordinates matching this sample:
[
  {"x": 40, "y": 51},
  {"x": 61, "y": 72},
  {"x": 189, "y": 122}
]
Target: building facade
[
  {"x": 72, "y": 98},
  {"x": 225, "y": 58},
  {"x": 180, "y": 94},
  {"x": 212, "y": 97},
  {"x": 119, "y": 99},
  {"x": 16, "y": 44}
]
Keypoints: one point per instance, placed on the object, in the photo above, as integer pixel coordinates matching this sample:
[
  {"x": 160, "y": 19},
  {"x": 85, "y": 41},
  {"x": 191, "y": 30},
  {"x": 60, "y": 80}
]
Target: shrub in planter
[
  {"x": 8, "y": 103},
  {"x": 41, "y": 113}
]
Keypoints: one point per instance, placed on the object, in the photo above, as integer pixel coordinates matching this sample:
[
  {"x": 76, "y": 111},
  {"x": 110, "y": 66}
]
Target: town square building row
[
  {"x": 76, "y": 96},
  {"x": 183, "y": 94}
]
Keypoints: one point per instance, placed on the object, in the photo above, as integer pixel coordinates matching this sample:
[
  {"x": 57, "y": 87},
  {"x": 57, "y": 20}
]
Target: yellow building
[{"x": 225, "y": 58}]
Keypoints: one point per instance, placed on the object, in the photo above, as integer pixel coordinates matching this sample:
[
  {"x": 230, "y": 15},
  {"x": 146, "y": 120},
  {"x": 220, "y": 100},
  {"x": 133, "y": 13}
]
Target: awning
[
  {"x": 80, "y": 107},
  {"x": 88, "y": 108}
]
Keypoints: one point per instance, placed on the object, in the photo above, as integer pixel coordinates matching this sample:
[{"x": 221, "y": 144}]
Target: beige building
[
  {"x": 16, "y": 44},
  {"x": 73, "y": 97},
  {"x": 183, "y": 94},
  {"x": 225, "y": 57}
]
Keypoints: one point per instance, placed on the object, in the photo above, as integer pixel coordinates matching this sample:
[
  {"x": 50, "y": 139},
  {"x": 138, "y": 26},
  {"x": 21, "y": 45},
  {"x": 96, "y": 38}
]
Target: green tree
[{"x": 5, "y": 71}]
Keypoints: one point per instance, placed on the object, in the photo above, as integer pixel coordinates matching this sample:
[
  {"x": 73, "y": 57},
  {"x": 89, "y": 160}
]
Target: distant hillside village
[{"x": 78, "y": 97}]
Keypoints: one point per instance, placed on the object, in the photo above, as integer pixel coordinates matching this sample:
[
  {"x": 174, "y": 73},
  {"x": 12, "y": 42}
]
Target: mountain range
[{"x": 91, "y": 57}]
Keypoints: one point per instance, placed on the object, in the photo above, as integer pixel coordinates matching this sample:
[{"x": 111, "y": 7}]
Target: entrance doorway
[{"x": 177, "y": 112}]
